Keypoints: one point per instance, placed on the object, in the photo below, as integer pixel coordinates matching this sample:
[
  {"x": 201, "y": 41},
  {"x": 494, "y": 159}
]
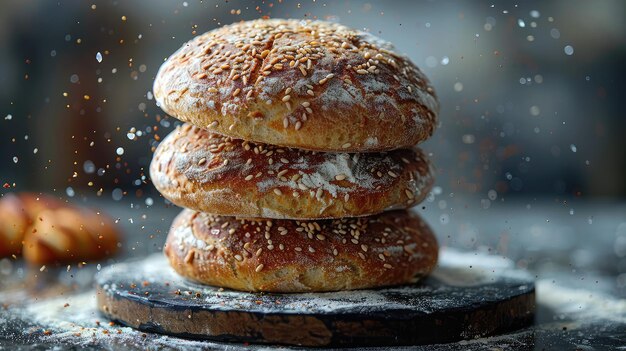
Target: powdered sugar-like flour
[{"x": 73, "y": 320}]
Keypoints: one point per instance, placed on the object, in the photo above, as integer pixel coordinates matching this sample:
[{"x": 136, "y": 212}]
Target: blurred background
[{"x": 531, "y": 136}]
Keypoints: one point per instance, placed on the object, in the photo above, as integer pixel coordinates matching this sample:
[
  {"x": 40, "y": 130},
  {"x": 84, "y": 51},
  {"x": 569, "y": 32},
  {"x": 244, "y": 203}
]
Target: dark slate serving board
[{"x": 463, "y": 299}]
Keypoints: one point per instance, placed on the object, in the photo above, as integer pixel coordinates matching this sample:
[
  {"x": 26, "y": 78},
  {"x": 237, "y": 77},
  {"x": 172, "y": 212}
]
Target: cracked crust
[
  {"x": 207, "y": 172},
  {"x": 393, "y": 248},
  {"x": 305, "y": 84}
]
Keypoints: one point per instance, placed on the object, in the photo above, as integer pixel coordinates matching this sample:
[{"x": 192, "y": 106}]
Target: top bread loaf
[{"x": 304, "y": 84}]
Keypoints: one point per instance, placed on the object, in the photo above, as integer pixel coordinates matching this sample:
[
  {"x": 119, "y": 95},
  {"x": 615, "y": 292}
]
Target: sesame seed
[
  {"x": 298, "y": 125},
  {"x": 202, "y": 161},
  {"x": 387, "y": 265},
  {"x": 392, "y": 174},
  {"x": 282, "y": 173},
  {"x": 361, "y": 71},
  {"x": 346, "y": 145},
  {"x": 259, "y": 268},
  {"x": 285, "y": 122},
  {"x": 284, "y": 160},
  {"x": 213, "y": 90},
  {"x": 238, "y": 258},
  {"x": 340, "y": 177},
  {"x": 249, "y": 177},
  {"x": 306, "y": 104},
  {"x": 409, "y": 193},
  {"x": 335, "y": 252},
  {"x": 322, "y": 81},
  {"x": 302, "y": 70},
  {"x": 277, "y": 191},
  {"x": 320, "y": 237},
  {"x": 298, "y": 248},
  {"x": 361, "y": 255},
  {"x": 364, "y": 247},
  {"x": 286, "y": 98},
  {"x": 310, "y": 92},
  {"x": 213, "y": 124},
  {"x": 311, "y": 249},
  {"x": 259, "y": 251}
]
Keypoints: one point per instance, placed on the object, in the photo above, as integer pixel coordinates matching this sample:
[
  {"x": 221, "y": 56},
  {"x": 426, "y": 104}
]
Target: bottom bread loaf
[{"x": 301, "y": 256}]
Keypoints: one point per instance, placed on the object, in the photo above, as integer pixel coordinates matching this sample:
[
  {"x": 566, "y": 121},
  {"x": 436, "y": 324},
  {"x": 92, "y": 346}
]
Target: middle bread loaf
[{"x": 207, "y": 172}]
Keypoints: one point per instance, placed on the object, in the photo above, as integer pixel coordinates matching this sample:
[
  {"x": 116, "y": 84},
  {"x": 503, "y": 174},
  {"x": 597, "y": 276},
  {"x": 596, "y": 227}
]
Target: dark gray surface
[
  {"x": 447, "y": 306},
  {"x": 577, "y": 259}
]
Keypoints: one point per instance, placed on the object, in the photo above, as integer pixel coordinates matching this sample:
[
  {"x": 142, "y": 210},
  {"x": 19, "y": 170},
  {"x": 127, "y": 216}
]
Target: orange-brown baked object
[
  {"x": 306, "y": 84},
  {"x": 70, "y": 234},
  {"x": 17, "y": 213},
  {"x": 211, "y": 173},
  {"x": 299, "y": 256}
]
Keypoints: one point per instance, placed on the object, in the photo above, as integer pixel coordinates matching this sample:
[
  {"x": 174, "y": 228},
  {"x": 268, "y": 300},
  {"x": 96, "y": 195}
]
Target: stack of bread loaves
[{"x": 298, "y": 163}]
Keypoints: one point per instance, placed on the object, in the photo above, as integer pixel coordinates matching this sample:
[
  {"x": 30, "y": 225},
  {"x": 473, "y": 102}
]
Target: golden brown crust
[
  {"x": 211, "y": 173},
  {"x": 17, "y": 213},
  {"x": 300, "y": 256},
  {"x": 305, "y": 84},
  {"x": 70, "y": 234},
  {"x": 47, "y": 230}
]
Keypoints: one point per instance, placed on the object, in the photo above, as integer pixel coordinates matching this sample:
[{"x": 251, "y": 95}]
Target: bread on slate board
[{"x": 392, "y": 248}]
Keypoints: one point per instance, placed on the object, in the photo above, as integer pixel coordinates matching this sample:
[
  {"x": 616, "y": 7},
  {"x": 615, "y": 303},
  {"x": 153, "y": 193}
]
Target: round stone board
[{"x": 468, "y": 296}]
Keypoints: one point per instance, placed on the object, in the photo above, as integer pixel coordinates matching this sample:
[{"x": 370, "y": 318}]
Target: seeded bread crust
[
  {"x": 211, "y": 173},
  {"x": 393, "y": 248},
  {"x": 305, "y": 84}
]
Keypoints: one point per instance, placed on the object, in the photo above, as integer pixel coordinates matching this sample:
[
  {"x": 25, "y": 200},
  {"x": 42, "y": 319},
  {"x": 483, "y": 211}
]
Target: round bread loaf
[
  {"x": 300, "y": 256},
  {"x": 306, "y": 84},
  {"x": 211, "y": 173}
]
